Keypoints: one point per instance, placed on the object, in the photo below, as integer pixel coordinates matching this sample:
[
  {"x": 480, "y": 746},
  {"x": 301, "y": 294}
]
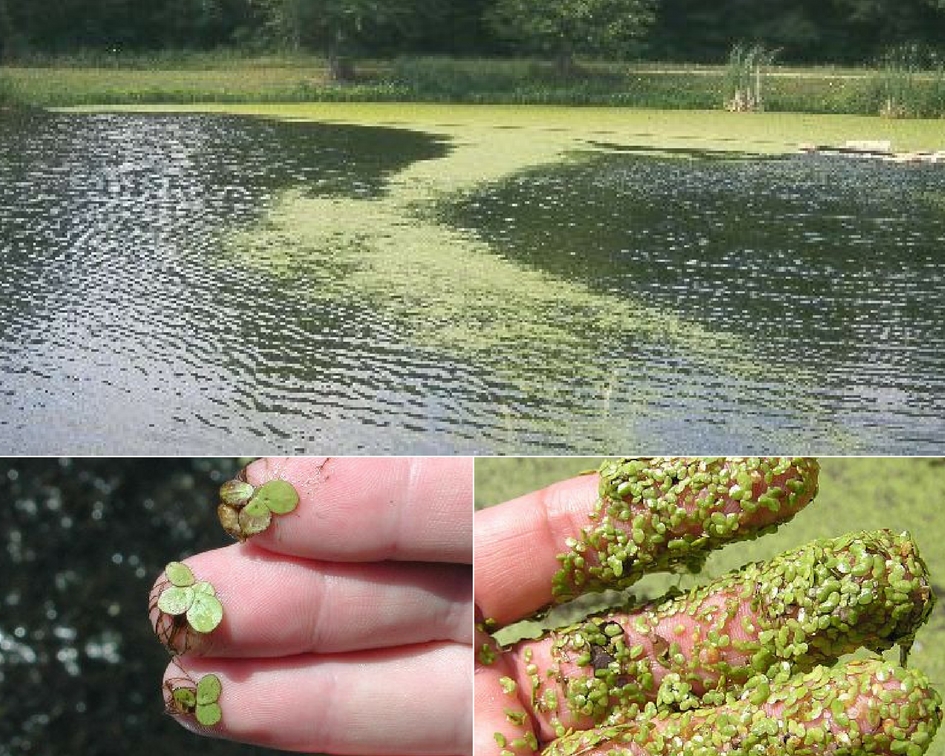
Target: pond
[{"x": 208, "y": 283}]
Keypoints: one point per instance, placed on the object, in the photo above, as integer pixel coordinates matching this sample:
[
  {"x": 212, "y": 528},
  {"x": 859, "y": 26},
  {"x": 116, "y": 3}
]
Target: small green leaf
[
  {"x": 208, "y": 689},
  {"x": 229, "y": 519},
  {"x": 209, "y": 714},
  {"x": 278, "y": 496},
  {"x": 235, "y": 493},
  {"x": 205, "y": 613},
  {"x": 179, "y": 574},
  {"x": 175, "y": 600},
  {"x": 204, "y": 587},
  {"x": 185, "y": 699},
  {"x": 254, "y": 518}
]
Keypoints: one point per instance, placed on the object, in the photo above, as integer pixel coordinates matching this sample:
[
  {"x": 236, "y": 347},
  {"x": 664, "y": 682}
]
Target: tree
[
  {"x": 6, "y": 29},
  {"x": 342, "y": 27},
  {"x": 566, "y": 27}
]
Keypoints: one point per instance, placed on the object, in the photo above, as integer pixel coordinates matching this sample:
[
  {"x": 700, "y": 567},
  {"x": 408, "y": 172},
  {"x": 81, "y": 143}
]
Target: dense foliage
[
  {"x": 851, "y": 31},
  {"x": 571, "y": 26}
]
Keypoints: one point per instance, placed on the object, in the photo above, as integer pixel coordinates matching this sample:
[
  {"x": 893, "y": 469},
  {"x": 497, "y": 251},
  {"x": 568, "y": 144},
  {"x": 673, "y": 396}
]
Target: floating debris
[{"x": 875, "y": 150}]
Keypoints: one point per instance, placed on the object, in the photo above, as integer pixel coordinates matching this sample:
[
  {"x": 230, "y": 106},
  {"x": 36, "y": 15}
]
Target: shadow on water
[
  {"x": 693, "y": 153},
  {"x": 81, "y": 542},
  {"x": 828, "y": 263}
]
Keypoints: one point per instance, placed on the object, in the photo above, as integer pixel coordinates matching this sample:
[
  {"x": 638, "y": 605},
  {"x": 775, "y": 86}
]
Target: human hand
[
  {"x": 347, "y": 625},
  {"x": 720, "y": 669}
]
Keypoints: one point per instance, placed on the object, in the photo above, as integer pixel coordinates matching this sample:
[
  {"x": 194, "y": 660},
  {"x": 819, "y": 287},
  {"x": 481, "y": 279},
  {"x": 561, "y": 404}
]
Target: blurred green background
[{"x": 855, "y": 494}]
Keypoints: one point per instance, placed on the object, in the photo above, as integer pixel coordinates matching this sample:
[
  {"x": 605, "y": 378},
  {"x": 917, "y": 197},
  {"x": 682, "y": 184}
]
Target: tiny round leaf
[
  {"x": 208, "y": 689},
  {"x": 235, "y": 493},
  {"x": 229, "y": 519},
  {"x": 204, "y": 587},
  {"x": 205, "y": 613},
  {"x": 184, "y": 699},
  {"x": 175, "y": 600},
  {"x": 254, "y": 518},
  {"x": 209, "y": 714},
  {"x": 278, "y": 496},
  {"x": 179, "y": 574}
]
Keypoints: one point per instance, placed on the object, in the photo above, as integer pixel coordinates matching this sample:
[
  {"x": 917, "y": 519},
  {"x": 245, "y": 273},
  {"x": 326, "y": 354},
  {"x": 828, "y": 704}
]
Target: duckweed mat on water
[{"x": 561, "y": 362}]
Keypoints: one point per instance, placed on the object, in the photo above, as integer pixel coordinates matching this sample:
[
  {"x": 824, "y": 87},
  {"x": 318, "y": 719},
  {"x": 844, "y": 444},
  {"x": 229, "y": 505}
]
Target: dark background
[
  {"x": 81, "y": 542},
  {"x": 802, "y": 31}
]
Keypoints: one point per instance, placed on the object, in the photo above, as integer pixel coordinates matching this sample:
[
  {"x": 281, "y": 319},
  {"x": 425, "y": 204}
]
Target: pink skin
[
  {"x": 371, "y": 510},
  {"x": 347, "y": 627},
  {"x": 680, "y": 628},
  {"x": 865, "y": 709},
  {"x": 403, "y": 701}
]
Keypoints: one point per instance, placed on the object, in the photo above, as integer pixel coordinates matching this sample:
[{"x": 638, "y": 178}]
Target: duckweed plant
[
  {"x": 199, "y": 700},
  {"x": 246, "y": 510},
  {"x": 808, "y": 606},
  {"x": 186, "y": 605},
  {"x": 866, "y": 707},
  {"x": 742, "y": 664},
  {"x": 665, "y": 513}
]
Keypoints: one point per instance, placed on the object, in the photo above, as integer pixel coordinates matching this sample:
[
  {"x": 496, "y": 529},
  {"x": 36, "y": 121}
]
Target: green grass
[
  {"x": 177, "y": 77},
  {"x": 855, "y": 494}
]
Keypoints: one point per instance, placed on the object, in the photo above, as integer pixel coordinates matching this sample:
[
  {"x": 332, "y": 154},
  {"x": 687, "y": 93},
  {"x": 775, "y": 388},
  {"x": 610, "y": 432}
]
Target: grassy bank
[{"x": 183, "y": 78}]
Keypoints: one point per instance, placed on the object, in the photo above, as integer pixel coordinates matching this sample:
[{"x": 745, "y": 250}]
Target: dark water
[
  {"x": 833, "y": 265},
  {"x": 123, "y": 328},
  {"x": 126, "y": 327},
  {"x": 81, "y": 542}
]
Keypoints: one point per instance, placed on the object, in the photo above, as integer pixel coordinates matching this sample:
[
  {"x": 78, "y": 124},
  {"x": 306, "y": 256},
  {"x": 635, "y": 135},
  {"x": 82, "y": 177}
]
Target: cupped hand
[
  {"x": 347, "y": 625},
  {"x": 740, "y": 665}
]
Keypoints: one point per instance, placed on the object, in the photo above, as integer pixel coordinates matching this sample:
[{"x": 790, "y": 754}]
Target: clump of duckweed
[
  {"x": 246, "y": 510},
  {"x": 185, "y": 605},
  {"x": 200, "y": 699},
  {"x": 805, "y": 607},
  {"x": 866, "y": 707},
  {"x": 664, "y": 513}
]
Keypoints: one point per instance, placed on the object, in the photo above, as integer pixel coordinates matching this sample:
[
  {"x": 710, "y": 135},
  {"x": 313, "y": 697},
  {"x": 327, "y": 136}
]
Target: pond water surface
[{"x": 693, "y": 303}]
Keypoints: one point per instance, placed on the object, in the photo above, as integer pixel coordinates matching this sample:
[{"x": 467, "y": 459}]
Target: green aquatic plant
[
  {"x": 664, "y": 513},
  {"x": 867, "y": 706},
  {"x": 185, "y": 604},
  {"x": 200, "y": 699},
  {"x": 808, "y": 606},
  {"x": 246, "y": 510}
]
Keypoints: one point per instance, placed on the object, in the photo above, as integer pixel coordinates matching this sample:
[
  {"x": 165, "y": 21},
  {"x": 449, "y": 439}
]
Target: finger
[
  {"x": 864, "y": 707},
  {"x": 411, "y": 700},
  {"x": 517, "y": 545},
  {"x": 651, "y": 515},
  {"x": 371, "y": 509},
  {"x": 279, "y": 606},
  {"x": 501, "y": 719},
  {"x": 808, "y": 606}
]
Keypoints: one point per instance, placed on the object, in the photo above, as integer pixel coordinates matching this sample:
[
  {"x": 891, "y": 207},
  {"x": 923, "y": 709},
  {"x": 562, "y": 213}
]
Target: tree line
[{"x": 801, "y": 31}]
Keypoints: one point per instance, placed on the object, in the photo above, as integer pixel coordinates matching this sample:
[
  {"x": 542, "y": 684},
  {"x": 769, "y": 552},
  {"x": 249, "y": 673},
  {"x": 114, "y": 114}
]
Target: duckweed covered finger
[
  {"x": 867, "y": 707},
  {"x": 662, "y": 513},
  {"x": 805, "y": 607}
]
